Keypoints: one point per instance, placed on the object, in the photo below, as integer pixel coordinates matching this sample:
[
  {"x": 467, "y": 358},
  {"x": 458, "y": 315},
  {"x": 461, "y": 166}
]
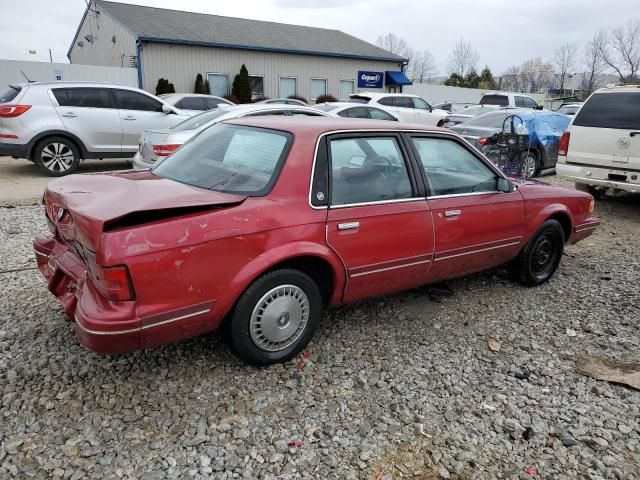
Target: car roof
[
  {"x": 619, "y": 88},
  {"x": 249, "y": 107},
  {"x": 322, "y": 125},
  {"x": 76, "y": 84},
  {"x": 182, "y": 95}
]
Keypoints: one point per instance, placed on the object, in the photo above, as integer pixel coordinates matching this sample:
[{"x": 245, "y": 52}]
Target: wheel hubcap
[
  {"x": 279, "y": 318},
  {"x": 529, "y": 167},
  {"x": 543, "y": 255},
  {"x": 57, "y": 157}
]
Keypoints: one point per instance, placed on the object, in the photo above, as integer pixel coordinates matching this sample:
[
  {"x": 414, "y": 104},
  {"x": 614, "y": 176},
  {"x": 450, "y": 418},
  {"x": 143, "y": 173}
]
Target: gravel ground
[{"x": 399, "y": 387}]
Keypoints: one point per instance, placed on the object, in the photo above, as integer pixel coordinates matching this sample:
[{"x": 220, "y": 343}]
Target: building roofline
[
  {"x": 268, "y": 49},
  {"x": 75, "y": 37}
]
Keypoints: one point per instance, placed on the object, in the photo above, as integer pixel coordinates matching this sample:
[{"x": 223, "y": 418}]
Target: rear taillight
[
  {"x": 113, "y": 283},
  {"x": 564, "y": 144},
  {"x": 9, "y": 111},
  {"x": 483, "y": 140},
  {"x": 165, "y": 150}
]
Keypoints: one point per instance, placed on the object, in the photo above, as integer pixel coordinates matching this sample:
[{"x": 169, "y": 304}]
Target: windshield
[
  {"x": 229, "y": 158},
  {"x": 199, "y": 120}
]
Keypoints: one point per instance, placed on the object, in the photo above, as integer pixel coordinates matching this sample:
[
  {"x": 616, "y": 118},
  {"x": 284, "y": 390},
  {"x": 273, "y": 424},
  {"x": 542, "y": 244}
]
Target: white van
[{"x": 601, "y": 147}]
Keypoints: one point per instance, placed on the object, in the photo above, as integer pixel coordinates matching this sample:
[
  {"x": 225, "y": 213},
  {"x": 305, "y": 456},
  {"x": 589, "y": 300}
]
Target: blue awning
[{"x": 396, "y": 78}]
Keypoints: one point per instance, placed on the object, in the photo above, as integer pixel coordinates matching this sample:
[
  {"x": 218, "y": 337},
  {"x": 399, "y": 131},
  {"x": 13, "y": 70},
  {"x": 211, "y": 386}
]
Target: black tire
[
  {"x": 250, "y": 335},
  {"x": 539, "y": 259},
  {"x": 530, "y": 157},
  {"x": 56, "y": 156}
]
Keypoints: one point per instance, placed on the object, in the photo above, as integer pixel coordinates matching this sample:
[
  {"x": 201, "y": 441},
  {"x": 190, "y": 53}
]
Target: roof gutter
[{"x": 266, "y": 49}]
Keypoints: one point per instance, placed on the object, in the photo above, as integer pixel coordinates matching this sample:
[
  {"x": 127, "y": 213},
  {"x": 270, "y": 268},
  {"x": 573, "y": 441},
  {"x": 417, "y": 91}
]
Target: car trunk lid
[
  {"x": 150, "y": 138},
  {"x": 82, "y": 207}
]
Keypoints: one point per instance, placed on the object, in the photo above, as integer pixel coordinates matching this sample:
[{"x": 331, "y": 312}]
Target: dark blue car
[{"x": 544, "y": 129}]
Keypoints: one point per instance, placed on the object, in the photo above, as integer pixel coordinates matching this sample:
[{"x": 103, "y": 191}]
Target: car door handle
[
  {"x": 69, "y": 115},
  {"x": 633, "y": 134},
  {"x": 452, "y": 213},
  {"x": 129, "y": 118},
  {"x": 348, "y": 226}
]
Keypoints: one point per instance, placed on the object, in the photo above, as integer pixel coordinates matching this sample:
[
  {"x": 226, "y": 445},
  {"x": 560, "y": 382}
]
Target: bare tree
[
  {"x": 463, "y": 58},
  {"x": 394, "y": 44},
  {"x": 510, "y": 79},
  {"x": 564, "y": 59},
  {"x": 621, "y": 51},
  {"x": 594, "y": 62},
  {"x": 534, "y": 74},
  {"x": 423, "y": 65}
]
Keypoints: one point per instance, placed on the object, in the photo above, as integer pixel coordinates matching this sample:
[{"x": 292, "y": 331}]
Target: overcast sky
[{"x": 504, "y": 32}]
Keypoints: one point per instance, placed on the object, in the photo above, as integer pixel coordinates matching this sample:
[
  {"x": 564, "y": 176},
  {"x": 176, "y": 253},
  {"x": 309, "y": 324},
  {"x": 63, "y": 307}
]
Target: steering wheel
[{"x": 381, "y": 163}]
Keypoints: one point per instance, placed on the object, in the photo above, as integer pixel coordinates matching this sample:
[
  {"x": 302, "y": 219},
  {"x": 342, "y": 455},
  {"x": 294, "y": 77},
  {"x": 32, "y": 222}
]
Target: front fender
[
  {"x": 288, "y": 251},
  {"x": 540, "y": 216}
]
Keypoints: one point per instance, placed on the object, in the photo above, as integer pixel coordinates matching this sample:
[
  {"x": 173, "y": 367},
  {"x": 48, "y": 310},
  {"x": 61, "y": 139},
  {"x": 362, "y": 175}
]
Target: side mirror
[
  {"x": 166, "y": 109},
  {"x": 504, "y": 185}
]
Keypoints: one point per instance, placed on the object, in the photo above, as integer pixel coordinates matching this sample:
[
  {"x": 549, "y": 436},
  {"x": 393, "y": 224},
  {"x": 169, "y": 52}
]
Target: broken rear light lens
[
  {"x": 10, "y": 111},
  {"x": 113, "y": 283},
  {"x": 165, "y": 150}
]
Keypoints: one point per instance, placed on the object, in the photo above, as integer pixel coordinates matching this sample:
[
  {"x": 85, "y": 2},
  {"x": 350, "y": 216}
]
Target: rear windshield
[
  {"x": 9, "y": 94},
  {"x": 489, "y": 120},
  {"x": 199, "y": 120},
  {"x": 229, "y": 158},
  {"x": 611, "y": 110},
  {"x": 359, "y": 99},
  {"x": 501, "y": 100}
]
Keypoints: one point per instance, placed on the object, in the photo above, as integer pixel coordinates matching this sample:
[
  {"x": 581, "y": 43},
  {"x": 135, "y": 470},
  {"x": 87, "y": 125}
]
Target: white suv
[
  {"x": 407, "y": 108},
  {"x": 601, "y": 147},
  {"x": 57, "y": 124},
  {"x": 503, "y": 99}
]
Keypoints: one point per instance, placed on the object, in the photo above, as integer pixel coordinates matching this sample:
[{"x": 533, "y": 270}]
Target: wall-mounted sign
[
  {"x": 370, "y": 79},
  {"x": 58, "y": 74}
]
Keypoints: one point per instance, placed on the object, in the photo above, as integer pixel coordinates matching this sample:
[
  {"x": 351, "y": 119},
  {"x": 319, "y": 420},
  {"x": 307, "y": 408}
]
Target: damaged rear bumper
[{"x": 107, "y": 326}]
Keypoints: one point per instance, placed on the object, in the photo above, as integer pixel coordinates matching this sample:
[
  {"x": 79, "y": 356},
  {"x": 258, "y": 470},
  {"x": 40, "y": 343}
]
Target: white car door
[
  {"x": 139, "y": 112},
  {"x": 88, "y": 113},
  {"x": 425, "y": 114}
]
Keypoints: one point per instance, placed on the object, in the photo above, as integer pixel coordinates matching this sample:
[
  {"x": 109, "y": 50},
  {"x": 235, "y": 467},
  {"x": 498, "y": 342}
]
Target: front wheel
[
  {"x": 57, "y": 156},
  {"x": 539, "y": 259},
  {"x": 276, "y": 317}
]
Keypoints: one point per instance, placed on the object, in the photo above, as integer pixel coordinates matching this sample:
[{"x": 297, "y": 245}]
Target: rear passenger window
[
  {"x": 388, "y": 101},
  {"x": 520, "y": 101},
  {"x": 367, "y": 169},
  {"x": 130, "y": 100},
  {"x": 82, "y": 97},
  {"x": 404, "y": 102},
  {"x": 378, "y": 114},
  {"x": 356, "y": 112},
  {"x": 611, "y": 110},
  {"x": 214, "y": 103},
  {"x": 451, "y": 169},
  {"x": 192, "y": 103}
]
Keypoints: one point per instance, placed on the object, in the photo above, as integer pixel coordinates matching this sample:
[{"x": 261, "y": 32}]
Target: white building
[{"x": 282, "y": 59}]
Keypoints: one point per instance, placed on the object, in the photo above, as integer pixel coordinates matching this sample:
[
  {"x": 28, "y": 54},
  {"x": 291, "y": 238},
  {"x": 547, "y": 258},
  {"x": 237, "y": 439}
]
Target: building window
[
  {"x": 346, "y": 89},
  {"x": 318, "y": 88},
  {"x": 288, "y": 87},
  {"x": 257, "y": 86},
  {"x": 218, "y": 84}
]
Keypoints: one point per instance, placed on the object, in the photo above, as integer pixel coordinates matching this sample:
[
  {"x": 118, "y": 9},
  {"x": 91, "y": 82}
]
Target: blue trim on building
[
  {"x": 139, "y": 62},
  {"x": 267, "y": 49}
]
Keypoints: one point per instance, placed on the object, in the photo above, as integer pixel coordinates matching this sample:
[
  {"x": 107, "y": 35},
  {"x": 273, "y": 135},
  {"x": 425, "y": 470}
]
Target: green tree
[
  {"x": 454, "y": 80},
  {"x": 199, "y": 86},
  {"x": 207, "y": 87},
  {"x": 162, "y": 86},
  {"x": 487, "y": 82},
  {"x": 171, "y": 88},
  {"x": 241, "y": 88},
  {"x": 472, "y": 79}
]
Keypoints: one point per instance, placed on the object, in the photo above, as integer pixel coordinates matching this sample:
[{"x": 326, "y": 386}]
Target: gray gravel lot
[{"x": 399, "y": 387}]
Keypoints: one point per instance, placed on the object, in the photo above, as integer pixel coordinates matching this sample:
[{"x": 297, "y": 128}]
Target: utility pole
[{"x": 50, "y": 56}]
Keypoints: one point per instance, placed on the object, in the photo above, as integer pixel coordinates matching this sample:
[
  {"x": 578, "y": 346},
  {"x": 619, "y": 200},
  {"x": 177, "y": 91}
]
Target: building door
[
  {"x": 288, "y": 87},
  {"x": 218, "y": 84},
  {"x": 346, "y": 89}
]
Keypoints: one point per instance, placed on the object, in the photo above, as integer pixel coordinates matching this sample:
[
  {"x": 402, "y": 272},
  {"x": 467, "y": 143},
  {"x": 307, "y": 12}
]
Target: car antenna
[{"x": 25, "y": 76}]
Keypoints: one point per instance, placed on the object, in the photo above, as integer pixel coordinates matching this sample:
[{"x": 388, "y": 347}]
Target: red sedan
[{"x": 263, "y": 222}]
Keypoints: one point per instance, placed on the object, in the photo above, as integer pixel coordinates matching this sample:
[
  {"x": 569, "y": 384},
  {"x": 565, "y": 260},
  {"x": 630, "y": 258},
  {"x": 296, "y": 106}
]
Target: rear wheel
[
  {"x": 57, "y": 156},
  {"x": 275, "y": 317},
  {"x": 539, "y": 259},
  {"x": 529, "y": 164}
]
